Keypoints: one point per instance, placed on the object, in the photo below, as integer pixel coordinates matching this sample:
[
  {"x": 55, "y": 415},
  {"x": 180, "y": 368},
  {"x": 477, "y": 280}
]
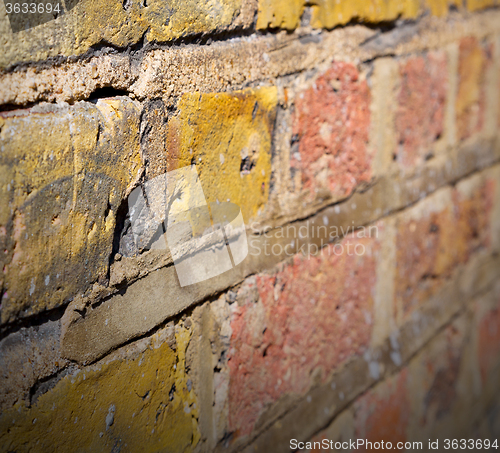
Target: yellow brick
[
  {"x": 279, "y": 14},
  {"x": 329, "y": 13},
  {"x": 64, "y": 173},
  {"x": 440, "y": 7},
  {"x": 153, "y": 408},
  {"x": 91, "y": 22},
  {"x": 217, "y": 131},
  {"x": 474, "y": 5}
]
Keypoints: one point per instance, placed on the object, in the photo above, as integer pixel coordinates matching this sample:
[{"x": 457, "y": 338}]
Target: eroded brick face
[
  {"x": 421, "y": 106},
  {"x": 298, "y": 324},
  {"x": 331, "y": 124},
  {"x": 382, "y": 414},
  {"x": 474, "y": 60}
]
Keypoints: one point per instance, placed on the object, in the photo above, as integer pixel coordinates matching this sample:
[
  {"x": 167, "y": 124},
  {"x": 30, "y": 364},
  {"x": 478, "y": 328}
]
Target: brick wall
[{"x": 360, "y": 139}]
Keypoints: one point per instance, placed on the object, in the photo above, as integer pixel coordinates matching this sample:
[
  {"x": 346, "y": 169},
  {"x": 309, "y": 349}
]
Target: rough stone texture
[
  {"x": 143, "y": 402},
  {"x": 119, "y": 24},
  {"x": 64, "y": 173},
  {"x": 474, "y": 59},
  {"x": 419, "y": 333},
  {"x": 286, "y": 323},
  {"x": 421, "y": 106},
  {"x": 138, "y": 311},
  {"x": 331, "y": 131},
  {"x": 28, "y": 356}
]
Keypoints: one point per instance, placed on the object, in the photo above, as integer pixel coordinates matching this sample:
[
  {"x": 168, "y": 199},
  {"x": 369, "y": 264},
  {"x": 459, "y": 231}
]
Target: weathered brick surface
[
  {"x": 279, "y": 14},
  {"x": 441, "y": 7},
  {"x": 331, "y": 128},
  {"x": 228, "y": 136},
  {"x": 64, "y": 173},
  {"x": 474, "y": 59},
  {"x": 329, "y": 13},
  {"x": 474, "y": 5},
  {"x": 144, "y": 402},
  {"x": 421, "y": 106},
  {"x": 437, "y": 235},
  {"x": 376, "y": 121},
  {"x": 120, "y": 24},
  {"x": 286, "y": 323}
]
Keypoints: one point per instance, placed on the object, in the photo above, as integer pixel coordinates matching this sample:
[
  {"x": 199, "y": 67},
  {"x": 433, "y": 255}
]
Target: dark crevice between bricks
[
  {"x": 33, "y": 321},
  {"x": 106, "y": 92},
  {"x": 8, "y": 108},
  {"x": 47, "y": 383}
]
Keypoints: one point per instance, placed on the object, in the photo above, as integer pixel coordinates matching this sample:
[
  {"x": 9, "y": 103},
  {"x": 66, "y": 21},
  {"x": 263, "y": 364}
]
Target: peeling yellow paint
[{"x": 142, "y": 404}]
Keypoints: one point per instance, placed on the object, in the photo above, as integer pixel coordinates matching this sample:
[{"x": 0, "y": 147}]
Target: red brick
[
  {"x": 489, "y": 342},
  {"x": 331, "y": 124},
  {"x": 382, "y": 414},
  {"x": 442, "y": 366},
  {"x": 474, "y": 60},
  {"x": 421, "y": 106},
  {"x": 305, "y": 319},
  {"x": 473, "y": 217},
  {"x": 431, "y": 246}
]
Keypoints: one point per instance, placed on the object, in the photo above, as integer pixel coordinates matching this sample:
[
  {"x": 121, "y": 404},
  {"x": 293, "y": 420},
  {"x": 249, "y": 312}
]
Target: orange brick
[{"x": 474, "y": 60}]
